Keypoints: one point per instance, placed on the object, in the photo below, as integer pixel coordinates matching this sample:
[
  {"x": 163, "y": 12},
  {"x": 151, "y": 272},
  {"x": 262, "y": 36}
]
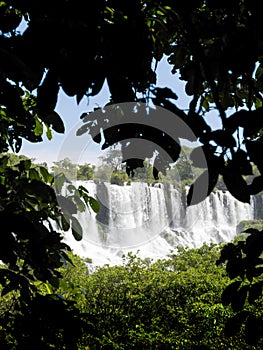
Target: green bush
[
  {"x": 118, "y": 178},
  {"x": 168, "y": 304}
]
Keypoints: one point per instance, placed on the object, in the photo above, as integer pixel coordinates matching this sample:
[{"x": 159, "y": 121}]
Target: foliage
[
  {"x": 73, "y": 171},
  {"x": 113, "y": 158},
  {"x": 143, "y": 174},
  {"x": 142, "y": 304},
  {"x": 118, "y": 178},
  {"x": 65, "y": 167},
  {"x": 85, "y": 172},
  {"x": 181, "y": 173},
  {"x": 33, "y": 250},
  {"x": 244, "y": 267},
  {"x": 204, "y": 42}
]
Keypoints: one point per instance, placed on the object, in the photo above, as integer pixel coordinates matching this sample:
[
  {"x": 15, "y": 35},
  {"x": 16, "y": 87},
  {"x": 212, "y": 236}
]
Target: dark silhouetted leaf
[
  {"x": 256, "y": 185},
  {"x": 253, "y": 329},
  {"x": 236, "y": 185},
  {"x": 65, "y": 224},
  {"x": 240, "y": 163},
  {"x": 254, "y": 245},
  {"x": 255, "y": 292},
  {"x": 41, "y": 190},
  {"x": 223, "y": 138},
  {"x": 233, "y": 325},
  {"x": 76, "y": 229},
  {"x": 165, "y": 93},
  {"x": 230, "y": 293},
  {"x": 235, "y": 266},
  {"x": 47, "y": 94},
  {"x": 238, "y": 301},
  {"x": 255, "y": 151},
  {"x": 228, "y": 251},
  {"x": 132, "y": 164},
  {"x": 55, "y": 121}
]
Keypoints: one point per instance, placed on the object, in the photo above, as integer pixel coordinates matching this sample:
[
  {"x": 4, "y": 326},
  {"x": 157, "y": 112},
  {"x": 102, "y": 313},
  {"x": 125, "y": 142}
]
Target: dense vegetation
[
  {"x": 33, "y": 218},
  {"x": 216, "y": 47},
  {"x": 168, "y": 304}
]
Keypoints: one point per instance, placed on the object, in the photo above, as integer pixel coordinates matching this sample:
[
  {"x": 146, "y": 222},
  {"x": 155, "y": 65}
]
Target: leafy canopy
[{"x": 216, "y": 47}]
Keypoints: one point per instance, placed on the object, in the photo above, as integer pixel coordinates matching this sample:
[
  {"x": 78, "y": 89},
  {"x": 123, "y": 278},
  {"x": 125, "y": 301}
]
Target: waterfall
[{"x": 153, "y": 220}]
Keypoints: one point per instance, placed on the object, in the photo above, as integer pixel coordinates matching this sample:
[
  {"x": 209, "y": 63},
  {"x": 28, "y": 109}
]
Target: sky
[{"x": 82, "y": 149}]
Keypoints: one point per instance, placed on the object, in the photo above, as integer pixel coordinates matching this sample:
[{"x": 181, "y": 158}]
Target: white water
[{"x": 154, "y": 221}]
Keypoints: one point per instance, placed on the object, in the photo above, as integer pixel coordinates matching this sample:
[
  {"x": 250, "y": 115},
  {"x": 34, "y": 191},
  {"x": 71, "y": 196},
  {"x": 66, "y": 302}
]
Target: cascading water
[{"x": 153, "y": 220}]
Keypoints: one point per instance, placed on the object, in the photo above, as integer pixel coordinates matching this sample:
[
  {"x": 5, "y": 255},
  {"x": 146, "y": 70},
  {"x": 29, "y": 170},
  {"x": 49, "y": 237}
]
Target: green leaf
[
  {"x": 94, "y": 204},
  {"x": 33, "y": 174},
  {"x": 38, "y": 128},
  {"x": 48, "y": 132},
  {"x": 82, "y": 188},
  {"x": 64, "y": 223},
  {"x": 45, "y": 174},
  {"x": 39, "y": 189},
  {"x": 76, "y": 229},
  {"x": 25, "y": 164},
  {"x": 258, "y": 103},
  {"x": 3, "y": 163}
]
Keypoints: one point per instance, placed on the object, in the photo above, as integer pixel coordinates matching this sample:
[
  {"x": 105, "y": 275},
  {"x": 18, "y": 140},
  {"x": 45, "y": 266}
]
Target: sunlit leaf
[
  {"x": 48, "y": 132},
  {"x": 38, "y": 128}
]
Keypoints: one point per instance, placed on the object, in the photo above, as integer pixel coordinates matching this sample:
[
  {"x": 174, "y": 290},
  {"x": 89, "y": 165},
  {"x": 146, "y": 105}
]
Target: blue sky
[{"x": 62, "y": 145}]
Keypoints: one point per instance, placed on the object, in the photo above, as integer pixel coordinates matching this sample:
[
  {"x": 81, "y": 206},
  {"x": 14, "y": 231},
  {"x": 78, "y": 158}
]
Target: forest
[
  {"x": 216, "y": 49},
  {"x": 168, "y": 304}
]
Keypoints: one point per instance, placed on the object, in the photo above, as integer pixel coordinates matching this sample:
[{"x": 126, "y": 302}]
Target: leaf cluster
[
  {"x": 203, "y": 43},
  {"x": 32, "y": 251},
  {"x": 244, "y": 265}
]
